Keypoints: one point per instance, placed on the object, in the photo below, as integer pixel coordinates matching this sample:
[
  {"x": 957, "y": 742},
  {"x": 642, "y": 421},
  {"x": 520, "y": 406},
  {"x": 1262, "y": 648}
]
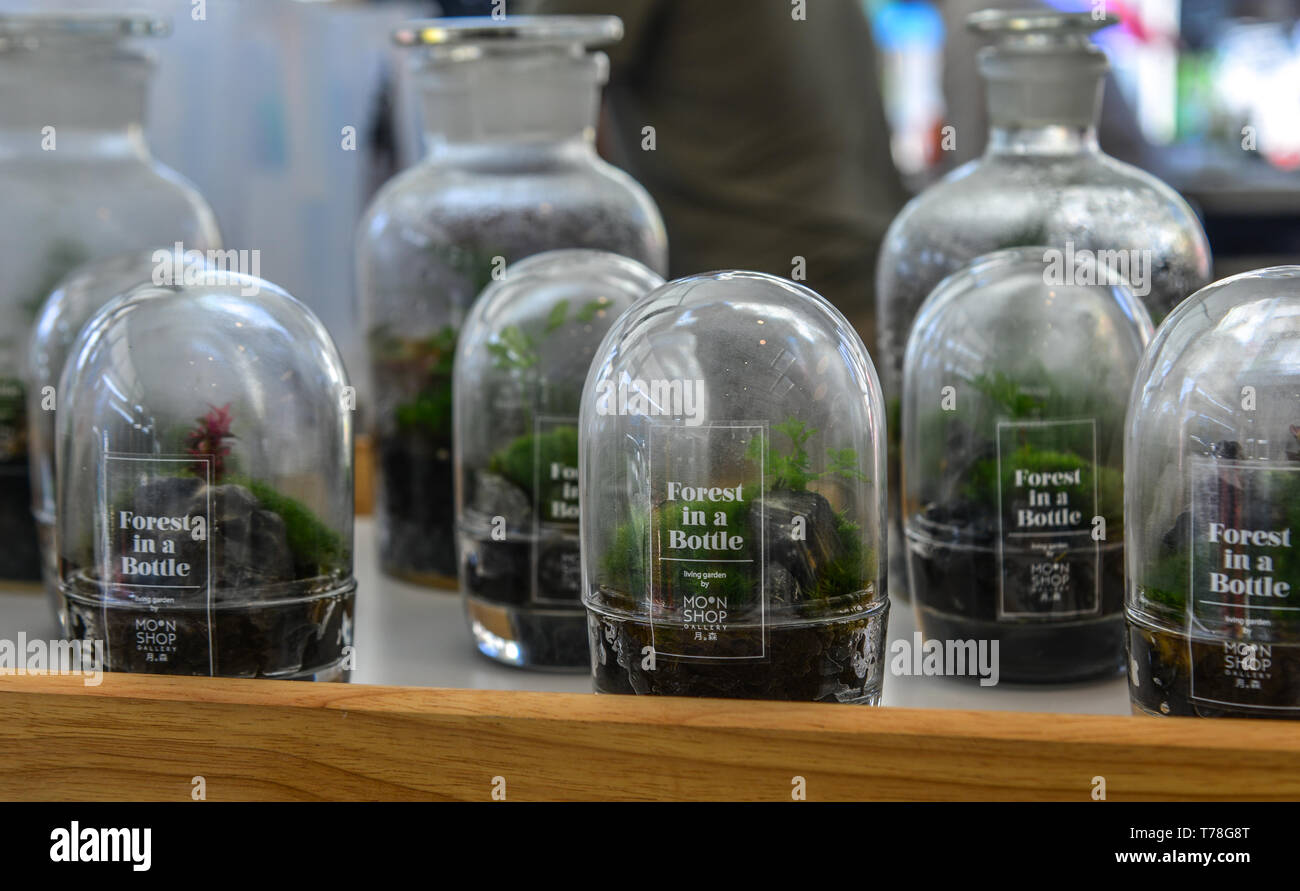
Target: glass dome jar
[
  {"x": 204, "y": 484},
  {"x": 521, "y": 362},
  {"x": 1041, "y": 181},
  {"x": 1213, "y": 505},
  {"x": 732, "y": 492},
  {"x": 77, "y": 182},
  {"x": 510, "y": 110},
  {"x": 1017, "y": 377},
  {"x": 70, "y": 305}
]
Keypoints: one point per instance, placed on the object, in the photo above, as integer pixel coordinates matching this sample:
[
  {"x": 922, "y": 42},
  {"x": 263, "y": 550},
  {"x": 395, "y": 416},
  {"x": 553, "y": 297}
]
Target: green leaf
[
  {"x": 591, "y": 308},
  {"x": 557, "y": 315}
]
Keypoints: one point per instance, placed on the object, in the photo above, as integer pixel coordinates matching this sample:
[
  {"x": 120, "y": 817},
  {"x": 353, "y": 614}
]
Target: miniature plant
[
  {"x": 1005, "y": 398},
  {"x": 428, "y": 359},
  {"x": 316, "y": 549},
  {"x": 514, "y": 349},
  {"x": 790, "y": 471},
  {"x": 208, "y": 440},
  {"x": 793, "y": 469}
]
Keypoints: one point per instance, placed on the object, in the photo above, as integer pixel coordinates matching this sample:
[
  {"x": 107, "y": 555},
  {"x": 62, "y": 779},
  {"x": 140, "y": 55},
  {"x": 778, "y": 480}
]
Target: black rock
[
  {"x": 168, "y": 496},
  {"x": 495, "y": 496},
  {"x": 559, "y": 570},
  {"x": 1175, "y": 540},
  {"x": 497, "y": 571},
  {"x": 781, "y": 586},
  {"x": 250, "y": 548},
  {"x": 20, "y": 557},
  {"x": 417, "y": 511},
  {"x": 805, "y": 558},
  {"x": 1227, "y": 448}
]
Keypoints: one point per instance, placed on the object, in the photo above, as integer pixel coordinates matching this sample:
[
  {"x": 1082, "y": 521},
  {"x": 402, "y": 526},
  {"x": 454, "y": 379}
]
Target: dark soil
[
  {"x": 248, "y": 640},
  {"x": 20, "y": 553},
  {"x": 499, "y": 573},
  {"x": 955, "y": 586},
  {"x": 837, "y": 661},
  {"x": 418, "y": 520},
  {"x": 1160, "y": 681}
]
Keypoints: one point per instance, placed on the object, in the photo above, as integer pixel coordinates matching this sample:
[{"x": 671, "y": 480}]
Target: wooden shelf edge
[{"x": 144, "y": 737}]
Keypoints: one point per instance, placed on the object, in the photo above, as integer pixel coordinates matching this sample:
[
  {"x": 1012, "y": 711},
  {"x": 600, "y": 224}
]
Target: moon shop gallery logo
[{"x": 658, "y": 397}]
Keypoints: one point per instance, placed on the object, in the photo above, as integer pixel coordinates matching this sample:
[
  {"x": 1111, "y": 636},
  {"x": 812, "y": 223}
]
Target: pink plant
[{"x": 208, "y": 440}]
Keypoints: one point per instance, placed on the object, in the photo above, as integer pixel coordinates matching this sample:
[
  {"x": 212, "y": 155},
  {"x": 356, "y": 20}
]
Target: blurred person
[{"x": 769, "y": 140}]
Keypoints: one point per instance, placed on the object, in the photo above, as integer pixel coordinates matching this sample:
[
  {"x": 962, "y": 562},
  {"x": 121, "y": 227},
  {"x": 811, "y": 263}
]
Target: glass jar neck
[
  {"x": 1044, "y": 98},
  {"x": 1046, "y": 139},
  {"x": 511, "y": 105},
  {"x": 73, "y": 102}
]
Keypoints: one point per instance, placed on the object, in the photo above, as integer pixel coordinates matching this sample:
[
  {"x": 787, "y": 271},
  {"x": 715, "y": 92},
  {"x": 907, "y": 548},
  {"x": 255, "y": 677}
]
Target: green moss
[
  {"x": 853, "y": 568},
  {"x": 982, "y": 485},
  {"x": 792, "y": 469},
  {"x": 517, "y": 462},
  {"x": 431, "y": 358},
  {"x": 317, "y": 549},
  {"x": 1165, "y": 577},
  {"x": 623, "y": 566}
]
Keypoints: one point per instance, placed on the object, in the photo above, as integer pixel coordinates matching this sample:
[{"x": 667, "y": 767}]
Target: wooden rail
[{"x": 148, "y": 738}]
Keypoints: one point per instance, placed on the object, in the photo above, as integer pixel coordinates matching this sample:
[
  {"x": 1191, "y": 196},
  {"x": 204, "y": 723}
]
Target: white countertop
[{"x": 411, "y": 636}]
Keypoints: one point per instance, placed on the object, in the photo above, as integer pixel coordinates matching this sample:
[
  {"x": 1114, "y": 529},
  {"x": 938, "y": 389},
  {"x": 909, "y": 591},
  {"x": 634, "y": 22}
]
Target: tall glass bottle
[
  {"x": 1042, "y": 180},
  {"x": 77, "y": 183},
  {"x": 511, "y": 171}
]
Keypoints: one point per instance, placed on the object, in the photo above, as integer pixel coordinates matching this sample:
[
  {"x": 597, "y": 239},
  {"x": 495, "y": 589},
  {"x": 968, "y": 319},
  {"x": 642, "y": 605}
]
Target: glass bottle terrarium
[
  {"x": 1041, "y": 181},
  {"x": 205, "y": 484},
  {"x": 70, "y": 305},
  {"x": 1213, "y": 505},
  {"x": 521, "y": 363},
  {"x": 1017, "y": 376},
  {"x": 732, "y": 497},
  {"x": 511, "y": 171},
  {"x": 77, "y": 182}
]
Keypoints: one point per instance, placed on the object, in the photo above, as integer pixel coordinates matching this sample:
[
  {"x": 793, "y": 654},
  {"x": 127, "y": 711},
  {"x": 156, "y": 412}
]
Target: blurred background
[{"x": 808, "y": 137}]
